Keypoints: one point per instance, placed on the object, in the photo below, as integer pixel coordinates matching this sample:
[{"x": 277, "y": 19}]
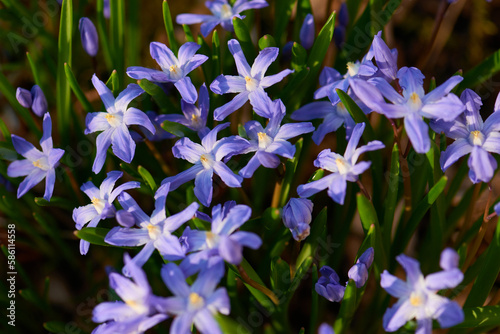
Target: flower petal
[
  {"x": 122, "y": 143},
  {"x": 103, "y": 142},
  {"x": 126, "y": 96},
  {"x": 187, "y": 90},
  {"x": 163, "y": 55},
  {"x": 274, "y": 79},
  {"x": 228, "y": 84},
  {"x": 237, "y": 102},
  {"x": 203, "y": 188},
  {"x": 227, "y": 175},
  {"x": 185, "y": 176},
  {"x": 138, "y": 72},
  {"x": 455, "y": 151},
  {"x": 174, "y": 279},
  {"x": 264, "y": 59},
  {"x": 418, "y": 133},
  {"x": 239, "y": 58},
  {"x": 445, "y": 279},
  {"x": 482, "y": 165},
  {"x": 20, "y": 168},
  {"x": 30, "y": 181},
  {"x": 104, "y": 92}
]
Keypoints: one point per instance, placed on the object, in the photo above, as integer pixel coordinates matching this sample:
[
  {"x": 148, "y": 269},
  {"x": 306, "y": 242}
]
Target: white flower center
[
  {"x": 175, "y": 72},
  {"x": 342, "y": 165},
  {"x": 476, "y": 138},
  {"x": 212, "y": 239},
  {"x": 264, "y": 140},
  {"x": 252, "y": 84},
  {"x": 341, "y": 109},
  {"x": 416, "y": 299},
  {"x": 138, "y": 307},
  {"x": 114, "y": 119},
  {"x": 414, "y": 102},
  {"x": 352, "y": 68},
  {"x": 195, "y": 121},
  {"x": 207, "y": 161},
  {"x": 41, "y": 163},
  {"x": 195, "y": 301},
  {"x": 98, "y": 204},
  {"x": 226, "y": 12},
  {"x": 154, "y": 231}
]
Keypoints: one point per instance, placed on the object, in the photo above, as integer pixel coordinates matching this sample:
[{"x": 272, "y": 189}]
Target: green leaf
[
  {"x": 266, "y": 41},
  {"x": 229, "y": 325},
  {"x": 103, "y": 36},
  {"x": 216, "y": 55},
  {"x": 62, "y": 83},
  {"x": 147, "y": 177},
  {"x": 299, "y": 56},
  {"x": 404, "y": 233},
  {"x": 243, "y": 35},
  {"x": 187, "y": 32},
  {"x": 34, "y": 70},
  {"x": 391, "y": 197},
  {"x": 176, "y": 129},
  {"x": 291, "y": 167},
  {"x": 319, "y": 50},
  {"x": 57, "y": 202},
  {"x": 283, "y": 11},
  {"x": 357, "y": 114},
  {"x": 169, "y": 27},
  {"x": 297, "y": 279},
  {"x": 56, "y": 327},
  {"x": 481, "y": 72},
  {"x": 5, "y": 132},
  {"x": 347, "y": 308},
  {"x": 113, "y": 82},
  {"x": 318, "y": 232},
  {"x": 157, "y": 94},
  {"x": 117, "y": 32},
  {"x": 480, "y": 316},
  {"x": 303, "y": 8},
  {"x": 289, "y": 93},
  {"x": 31, "y": 296},
  {"x": 488, "y": 275},
  {"x": 313, "y": 318},
  {"x": 280, "y": 274},
  {"x": 94, "y": 235},
  {"x": 77, "y": 90}
]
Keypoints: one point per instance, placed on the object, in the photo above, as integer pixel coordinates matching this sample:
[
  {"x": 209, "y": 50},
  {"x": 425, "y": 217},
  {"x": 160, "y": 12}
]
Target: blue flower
[
  {"x": 195, "y": 118},
  {"x": 114, "y": 123},
  {"x": 88, "y": 35},
  {"x": 334, "y": 114},
  {"x": 307, "y": 32},
  {"x": 385, "y": 58},
  {"x": 223, "y": 14},
  {"x": 344, "y": 168},
  {"x": 173, "y": 69},
  {"x": 413, "y": 104},
  {"x": 297, "y": 215},
  {"x": 138, "y": 310},
  {"x": 207, "y": 161},
  {"x": 472, "y": 136},
  {"x": 37, "y": 165},
  {"x": 102, "y": 199},
  {"x": 222, "y": 240},
  {"x": 418, "y": 298},
  {"x": 359, "y": 272},
  {"x": 249, "y": 84},
  {"x": 34, "y": 100},
  {"x": 154, "y": 232},
  {"x": 197, "y": 303},
  {"x": 328, "y": 285},
  {"x": 24, "y": 98},
  {"x": 272, "y": 141},
  {"x": 325, "y": 329}
]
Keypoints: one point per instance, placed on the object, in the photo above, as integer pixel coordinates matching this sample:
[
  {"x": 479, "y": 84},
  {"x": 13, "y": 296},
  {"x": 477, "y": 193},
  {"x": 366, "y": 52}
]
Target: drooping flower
[
  {"x": 24, "y": 98},
  {"x": 37, "y": 165},
  {"x": 39, "y": 105},
  {"x": 102, "y": 199},
  {"x": 154, "y": 232},
  {"x": 307, "y": 32},
  {"x": 223, "y": 14},
  {"x": 413, "y": 104},
  {"x": 88, "y": 35},
  {"x": 418, "y": 298},
  {"x": 297, "y": 215},
  {"x": 197, "y": 303},
  {"x": 249, "y": 83},
  {"x": 472, "y": 136},
  {"x": 334, "y": 114},
  {"x": 344, "y": 168},
  {"x": 328, "y": 285},
  {"x": 173, "y": 69},
  {"x": 114, "y": 123},
  {"x": 359, "y": 272},
  {"x": 222, "y": 240},
  {"x": 385, "y": 58},
  {"x": 195, "y": 118},
  {"x": 272, "y": 141},
  {"x": 136, "y": 313},
  {"x": 207, "y": 161}
]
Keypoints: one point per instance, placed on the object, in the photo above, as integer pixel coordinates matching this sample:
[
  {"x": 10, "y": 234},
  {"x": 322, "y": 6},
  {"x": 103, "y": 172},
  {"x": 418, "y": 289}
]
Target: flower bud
[
  {"x": 328, "y": 285},
  {"x": 307, "y": 32},
  {"x": 297, "y": 215},
  {"x": 88, "y": 34},
  {"x": 23, "y": 96},
  {"x": 359, "y": 272},
  {"x": 39, "y": 106}
]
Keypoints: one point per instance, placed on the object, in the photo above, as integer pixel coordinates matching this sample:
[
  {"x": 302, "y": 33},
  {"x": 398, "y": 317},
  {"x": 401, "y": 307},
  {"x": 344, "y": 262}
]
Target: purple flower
[
  {"x": 154, "y": 232},
  {"x": 418, "y": 299},
  {"x": 359, "y": 272},
  {"x": 297, "y": 215},
  {"x": 413, "y": 104},
  {"x": 249, "y": 84},
  {"x": 102, "y": 199},
  {"x": 24, "y": 98},
  {"x": 159, "y": 134},
  {"x": 328, "y": 285},
  {"x": 223, "y": 14},
  {"x": 472, "y": 136},
  {"x": 325, "y": 329},
  {"x": 344, "y": 168},
  {"x": 334, "y": 114},
  {"x": 107, "y": 9},
  {"x": 88, "y": 35},
  {"x": 136, "y": 313},
  {"x": 207, "y": 161},
  {"x": 195, "y": 118},
  {"x": 272, "y": 141},
  {"x": 386, "y": 59},
  {"x": 173, "y": 69},
  {"x": 307, "y": 32},
  {"x": 37, "y": 165},
  {"x": 197, "y": 303},
  {"x": 222, "y": 240},
  {"x": 39, "y": 105},
  {"x": 114, "y": 123}
]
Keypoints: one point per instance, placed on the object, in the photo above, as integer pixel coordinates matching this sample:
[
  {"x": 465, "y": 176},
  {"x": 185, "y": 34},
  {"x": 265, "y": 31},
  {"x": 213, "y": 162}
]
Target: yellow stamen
[
  {"x": 37, "y": 164},
  {"x": 416, "y": 300},
  {"x": 248, "y": 79},
  {"x": 210, "y": 239},
  {"x": 195, "y": 300},
  {"x": 341, "y": 165},
  {"x": 477, "y": 137},
  {"x": 174, "y": 69}
]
